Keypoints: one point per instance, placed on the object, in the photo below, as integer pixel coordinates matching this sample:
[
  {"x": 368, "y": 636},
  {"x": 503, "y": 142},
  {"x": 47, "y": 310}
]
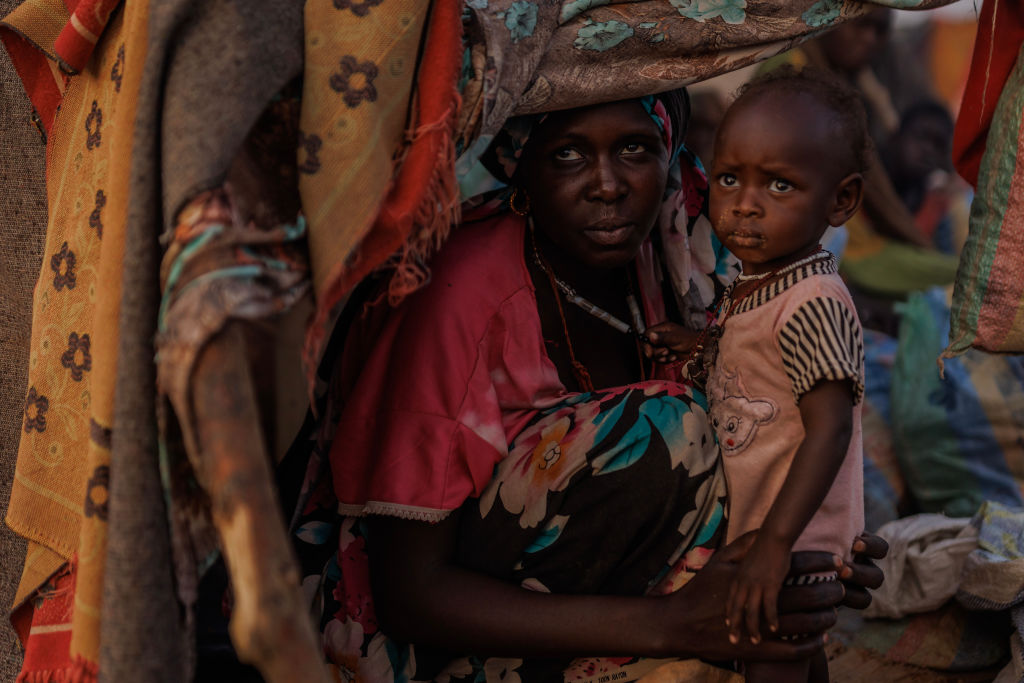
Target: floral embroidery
[
  {"x": 36, "y": 406},
  {"x": 822, "y": 13},
  {"x": 544, "y": 458},
  {"x": 97, "y": 493},
  {"x": 95, "y": 220},
  {"x": 601, "y": 36},
  {"x": 731, "y": 11},
  {"x": 355, "y": 80},
  {"x": 520, "y": 19},
  {"x": 311, "y": 144},
  {"x": 117, "y": 71},
  {"x": 360, "y": 9},
  {"x": 63, "y": 266},
  {"x": 93, "y": 120},
  {"x": 77, "y": 357}
]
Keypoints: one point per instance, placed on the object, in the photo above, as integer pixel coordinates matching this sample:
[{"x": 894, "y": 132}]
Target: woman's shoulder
[{"x": 481, "y": 264}]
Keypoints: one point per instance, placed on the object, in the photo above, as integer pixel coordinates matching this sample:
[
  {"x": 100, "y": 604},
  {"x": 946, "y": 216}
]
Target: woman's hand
[
  {"x": 856, "y": 577},
  {"x": 862, "y": 574},
  {"x": 700, "y": 607},
  {"x": 421, "y": 597}
]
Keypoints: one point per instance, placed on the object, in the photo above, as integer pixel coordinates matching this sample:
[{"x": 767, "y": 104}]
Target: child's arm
[
  {"x": 826, "y": 411},
  {"x": 668, "y": 342}
]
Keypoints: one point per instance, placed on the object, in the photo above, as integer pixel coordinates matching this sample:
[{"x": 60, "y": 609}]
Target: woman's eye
[
  {"x": 568, "y": 154},
  {"x": 727, "y": 180},
  {"x": 780, "y": 185},
  {"x": 634, "y": 148}
]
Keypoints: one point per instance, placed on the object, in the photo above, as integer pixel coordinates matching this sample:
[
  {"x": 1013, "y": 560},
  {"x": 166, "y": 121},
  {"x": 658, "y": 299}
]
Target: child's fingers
[
  {"x": 675, "y": 337},
  {"x": 753, "y": 614},
  {"x": 664, "y": 355}
]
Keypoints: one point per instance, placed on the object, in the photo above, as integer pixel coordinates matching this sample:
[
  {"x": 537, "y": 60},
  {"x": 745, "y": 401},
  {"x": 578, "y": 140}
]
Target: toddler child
[{"x": 787, "y": 377}]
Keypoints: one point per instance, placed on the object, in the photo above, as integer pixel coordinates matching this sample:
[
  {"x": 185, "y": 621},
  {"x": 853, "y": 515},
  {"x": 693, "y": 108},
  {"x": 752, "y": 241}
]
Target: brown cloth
[{"x": 212, "y": 66}]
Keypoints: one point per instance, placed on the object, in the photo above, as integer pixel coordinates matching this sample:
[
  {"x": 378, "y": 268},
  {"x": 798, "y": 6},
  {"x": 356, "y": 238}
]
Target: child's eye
[
  {"x": 634, "y": 148},
  {"x": 780, "y": 185},
  {"x": 727, "y": 180},
  {"x": 567, "y": 154}
]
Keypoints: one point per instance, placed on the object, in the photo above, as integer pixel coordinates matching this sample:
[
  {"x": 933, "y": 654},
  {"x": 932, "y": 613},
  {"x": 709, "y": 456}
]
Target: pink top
[
  {"x": 775, "y": 346},
  {"x": 440, "y": 385}
]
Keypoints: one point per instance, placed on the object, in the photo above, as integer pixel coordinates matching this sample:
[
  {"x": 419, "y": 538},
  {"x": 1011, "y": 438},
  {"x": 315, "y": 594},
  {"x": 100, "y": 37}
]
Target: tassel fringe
[
  {"x": 423, "y": 203},
  {"x": 80, "y": 671}
]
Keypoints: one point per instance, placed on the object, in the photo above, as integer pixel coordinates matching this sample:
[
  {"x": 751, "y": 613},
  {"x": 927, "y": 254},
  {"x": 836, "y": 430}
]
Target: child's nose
[{"x": 747, "y": 202}]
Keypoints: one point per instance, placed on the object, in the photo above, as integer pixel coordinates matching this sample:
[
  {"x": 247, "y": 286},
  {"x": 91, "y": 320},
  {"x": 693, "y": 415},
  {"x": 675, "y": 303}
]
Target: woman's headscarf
[{"x": 692, "y": 257}]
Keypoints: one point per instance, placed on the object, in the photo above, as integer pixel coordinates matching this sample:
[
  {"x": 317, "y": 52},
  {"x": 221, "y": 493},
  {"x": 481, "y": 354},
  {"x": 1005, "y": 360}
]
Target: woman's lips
[{"x": 609, "y": 236}]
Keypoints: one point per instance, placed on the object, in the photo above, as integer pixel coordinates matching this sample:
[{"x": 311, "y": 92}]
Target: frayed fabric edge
[{"x": 80, "y": 671}]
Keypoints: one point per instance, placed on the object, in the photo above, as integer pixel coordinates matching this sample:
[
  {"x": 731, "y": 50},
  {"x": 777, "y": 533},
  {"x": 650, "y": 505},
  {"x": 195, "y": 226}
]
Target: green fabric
[
  {"x": 986, "y": 295},
  {"x": 899, "y": 269}
]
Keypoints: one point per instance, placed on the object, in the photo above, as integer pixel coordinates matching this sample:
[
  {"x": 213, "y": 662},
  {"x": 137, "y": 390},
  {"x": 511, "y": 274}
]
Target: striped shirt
[
  {"x": 822, "y": 340},
  {"x": 777, "y": 344}
]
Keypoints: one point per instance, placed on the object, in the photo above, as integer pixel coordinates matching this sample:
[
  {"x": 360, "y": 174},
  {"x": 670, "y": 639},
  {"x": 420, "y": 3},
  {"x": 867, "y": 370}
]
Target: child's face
[{"x": 777, "y": 180}]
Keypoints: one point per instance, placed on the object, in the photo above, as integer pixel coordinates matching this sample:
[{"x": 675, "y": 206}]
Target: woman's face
[{"x": 595, "y": 178}]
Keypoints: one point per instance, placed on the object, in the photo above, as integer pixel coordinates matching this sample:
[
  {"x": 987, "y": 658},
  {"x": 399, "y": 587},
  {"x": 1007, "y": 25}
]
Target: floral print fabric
[
  {"x": 468, "y": 414},
  {"x": 631, "y": 474},
  {"x": 525, "y": 56}
]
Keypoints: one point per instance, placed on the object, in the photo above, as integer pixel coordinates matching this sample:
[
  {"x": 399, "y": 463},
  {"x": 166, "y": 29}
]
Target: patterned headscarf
[
  {"x": 669, "y": 111},
  {"x": 692, "y": 257}
]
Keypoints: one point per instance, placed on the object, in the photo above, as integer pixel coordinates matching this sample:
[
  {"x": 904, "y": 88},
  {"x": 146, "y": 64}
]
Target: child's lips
[{"x": 745, "y": 239}]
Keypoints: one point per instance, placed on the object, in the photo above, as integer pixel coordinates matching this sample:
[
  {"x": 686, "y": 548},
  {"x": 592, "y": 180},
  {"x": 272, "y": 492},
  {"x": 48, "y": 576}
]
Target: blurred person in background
[{"x": 918, "y": 160}]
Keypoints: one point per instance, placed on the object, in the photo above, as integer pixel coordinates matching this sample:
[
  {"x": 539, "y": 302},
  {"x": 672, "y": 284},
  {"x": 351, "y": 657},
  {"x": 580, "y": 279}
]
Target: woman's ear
[{"x": 849, "y": 193}]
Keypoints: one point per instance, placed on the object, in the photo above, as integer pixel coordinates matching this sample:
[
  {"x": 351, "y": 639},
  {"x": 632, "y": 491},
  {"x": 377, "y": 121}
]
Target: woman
[{"x": 513, "y": 471}]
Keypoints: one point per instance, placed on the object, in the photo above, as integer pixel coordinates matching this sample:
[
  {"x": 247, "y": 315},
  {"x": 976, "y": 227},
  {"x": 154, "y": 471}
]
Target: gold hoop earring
[{"x": 512, "y": 203}]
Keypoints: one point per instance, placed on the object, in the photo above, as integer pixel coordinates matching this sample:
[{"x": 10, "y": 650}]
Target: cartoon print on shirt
[{"x": 734, "y": 416}]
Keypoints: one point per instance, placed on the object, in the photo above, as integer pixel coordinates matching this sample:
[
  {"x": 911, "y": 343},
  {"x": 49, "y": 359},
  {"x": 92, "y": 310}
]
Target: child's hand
[
  {"x": 669, "y": 342},
  {"x": 756, "y": 588}
]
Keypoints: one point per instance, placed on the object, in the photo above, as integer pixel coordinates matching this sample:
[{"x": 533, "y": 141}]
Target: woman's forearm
[
  {"x": 420, "y": 597},
  {"x": 435, "y": 603}
]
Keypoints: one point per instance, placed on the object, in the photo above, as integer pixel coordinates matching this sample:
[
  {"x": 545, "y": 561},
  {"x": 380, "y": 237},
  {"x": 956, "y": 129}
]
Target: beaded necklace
[
  {"x": 637, "y": 329},
  {"x": 819, "y": 252},
  {"x": 701, "y": 358}
]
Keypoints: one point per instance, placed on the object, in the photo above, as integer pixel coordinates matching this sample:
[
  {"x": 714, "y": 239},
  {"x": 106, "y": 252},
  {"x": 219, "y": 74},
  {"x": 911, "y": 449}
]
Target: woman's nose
[{"x": 605, "y": 185}]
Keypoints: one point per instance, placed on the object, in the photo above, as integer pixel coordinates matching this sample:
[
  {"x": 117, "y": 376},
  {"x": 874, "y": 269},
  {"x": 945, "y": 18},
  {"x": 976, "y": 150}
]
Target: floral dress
[{"x": 451, "y": 403}]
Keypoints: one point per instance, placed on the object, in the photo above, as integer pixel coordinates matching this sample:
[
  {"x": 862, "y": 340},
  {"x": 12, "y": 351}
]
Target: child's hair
[{"x": 843, "y": 101}]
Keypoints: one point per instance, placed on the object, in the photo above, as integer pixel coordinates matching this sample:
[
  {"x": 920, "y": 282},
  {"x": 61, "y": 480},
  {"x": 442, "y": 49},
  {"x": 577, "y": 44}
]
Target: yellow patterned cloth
[
  {"x": 59, "y": 495},
  {"x": 360, "y": 59},
  {"x": 377, "y": 146}
]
